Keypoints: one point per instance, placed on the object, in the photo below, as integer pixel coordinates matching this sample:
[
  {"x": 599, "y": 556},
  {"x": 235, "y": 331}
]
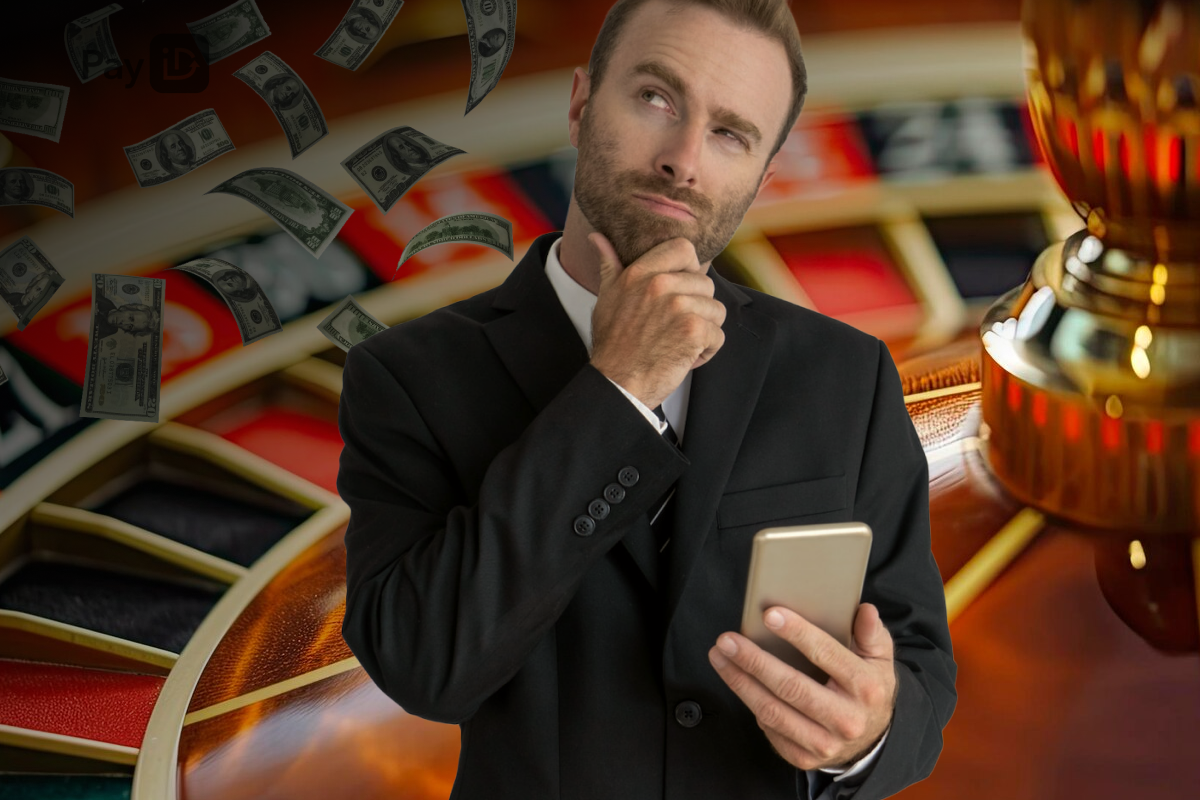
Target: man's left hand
[{"x": 811, "y": 725}]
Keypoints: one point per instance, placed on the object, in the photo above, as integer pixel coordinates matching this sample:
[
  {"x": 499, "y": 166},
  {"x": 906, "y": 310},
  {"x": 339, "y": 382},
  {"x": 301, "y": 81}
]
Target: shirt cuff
[
  {"x": 861, "y": 764},
  {"x": 660, "y": 425}
]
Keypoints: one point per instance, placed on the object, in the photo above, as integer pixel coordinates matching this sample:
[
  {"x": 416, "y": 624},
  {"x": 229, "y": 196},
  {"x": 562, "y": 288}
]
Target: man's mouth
[{"x": 665, "y": 207}]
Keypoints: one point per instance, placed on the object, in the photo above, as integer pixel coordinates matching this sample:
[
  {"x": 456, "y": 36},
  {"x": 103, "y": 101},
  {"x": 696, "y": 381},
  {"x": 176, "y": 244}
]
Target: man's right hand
[{"x": 655, "y": 319}]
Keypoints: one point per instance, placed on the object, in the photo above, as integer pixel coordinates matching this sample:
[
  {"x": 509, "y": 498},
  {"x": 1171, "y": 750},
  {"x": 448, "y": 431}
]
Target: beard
[{"x": 605, "y": 196}]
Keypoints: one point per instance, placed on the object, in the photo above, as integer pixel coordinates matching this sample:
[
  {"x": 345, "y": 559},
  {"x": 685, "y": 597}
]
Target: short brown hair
[{"x": 772, "y": 18}]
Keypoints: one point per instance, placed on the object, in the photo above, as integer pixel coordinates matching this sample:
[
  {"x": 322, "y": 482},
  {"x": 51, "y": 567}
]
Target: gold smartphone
[{"x": 816, "y": 571}]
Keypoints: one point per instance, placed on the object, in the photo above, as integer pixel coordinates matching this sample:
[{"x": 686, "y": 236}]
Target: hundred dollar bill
[
  {"x": 255, "y": 316},
  {"x": 309, "y": 215},
  {"x": 34, "y": 108},
  {"x": 231, "y": 29},
  {"x": 178, "y": 150},
  {"x": 289, "y": 97},
  {"x": 477, "y": 228},
  {"x": 24, "y": 186},
  {"x": 27, "y": 279},
  {"x": 387, "y": 166},
  {"x": 124, "y": 362},
  {"x": 90, "y": 44},
  {"x": 359, "y": 31},
  {"x": 492, "y": 31},
  {"x": 348, "y": 324}
]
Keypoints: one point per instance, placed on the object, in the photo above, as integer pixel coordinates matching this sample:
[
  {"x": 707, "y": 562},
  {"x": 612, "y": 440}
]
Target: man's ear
[
  {"x": 772, "y": 166},
  {"x": 581, "y": 88}
]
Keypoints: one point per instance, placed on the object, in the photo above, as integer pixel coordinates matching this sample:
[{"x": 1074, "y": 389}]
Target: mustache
[{"x": 636, "y": 182}]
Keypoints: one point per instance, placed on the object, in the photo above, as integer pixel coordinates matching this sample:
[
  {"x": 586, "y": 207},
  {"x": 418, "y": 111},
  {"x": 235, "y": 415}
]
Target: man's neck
[{"x": 577, "y": 257}]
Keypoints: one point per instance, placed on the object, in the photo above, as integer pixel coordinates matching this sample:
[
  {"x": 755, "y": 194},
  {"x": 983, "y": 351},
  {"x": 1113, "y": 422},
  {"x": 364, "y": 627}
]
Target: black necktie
[{"x": 660, "y": 516}]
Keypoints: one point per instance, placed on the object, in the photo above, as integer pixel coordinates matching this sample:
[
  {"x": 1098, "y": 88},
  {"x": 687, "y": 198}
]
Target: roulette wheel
[{"x": 171, "y": 594}]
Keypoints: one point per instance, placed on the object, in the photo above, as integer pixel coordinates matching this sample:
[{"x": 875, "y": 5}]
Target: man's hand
[
  {"x": 811, "y": 725},
  {"x": 654, "y": 319}
]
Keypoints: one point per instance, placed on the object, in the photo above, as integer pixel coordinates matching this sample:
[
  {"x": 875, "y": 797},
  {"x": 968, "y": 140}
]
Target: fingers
[
  {"x": 820, "y": 648},
  {"x": 786, "y": 688},
  {"x": 610, "y": 264},
  {"x": 795, "y": 725}
]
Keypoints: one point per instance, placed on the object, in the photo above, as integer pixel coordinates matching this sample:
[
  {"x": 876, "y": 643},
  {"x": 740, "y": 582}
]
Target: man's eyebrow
[{"x": 727, "y": 117}]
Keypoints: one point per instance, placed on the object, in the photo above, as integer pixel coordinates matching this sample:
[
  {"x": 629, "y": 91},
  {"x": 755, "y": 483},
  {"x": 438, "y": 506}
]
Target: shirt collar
[{"x": 577, "y": 301}]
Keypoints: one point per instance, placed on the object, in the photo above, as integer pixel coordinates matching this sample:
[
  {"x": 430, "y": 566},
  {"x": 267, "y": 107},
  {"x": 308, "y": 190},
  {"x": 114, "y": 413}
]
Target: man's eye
[{"x": 650, "y": 92}]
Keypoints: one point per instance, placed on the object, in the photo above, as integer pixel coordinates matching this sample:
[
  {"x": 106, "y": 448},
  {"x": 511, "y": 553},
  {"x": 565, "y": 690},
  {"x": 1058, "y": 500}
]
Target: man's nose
[{"x": 679, "y": 156}]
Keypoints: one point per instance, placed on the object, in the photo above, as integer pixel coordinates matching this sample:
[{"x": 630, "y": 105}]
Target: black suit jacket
[{"x": 476, "y": 435}]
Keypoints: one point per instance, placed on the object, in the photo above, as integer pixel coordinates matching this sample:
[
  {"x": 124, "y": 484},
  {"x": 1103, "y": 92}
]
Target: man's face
[
  {"x": 176, "y": 151},
  {"x": 361, "y": 26},
  {"x": 231, "y": 282},
  {"x": 494, "y": 39},
  {"x": 406, "y": 151},
  {"x": 640, "y": 135},
  {"x": 129, "y": 320},
  {"x": 286, "y": 92},
  {"x": 12, "y": 184}
]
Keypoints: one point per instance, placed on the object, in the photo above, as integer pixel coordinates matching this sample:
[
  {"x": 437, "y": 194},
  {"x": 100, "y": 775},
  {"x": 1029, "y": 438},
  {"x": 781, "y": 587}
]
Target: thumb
[
  {"x": 871, "y": 636},
  {"x": 610, "y": 263}
]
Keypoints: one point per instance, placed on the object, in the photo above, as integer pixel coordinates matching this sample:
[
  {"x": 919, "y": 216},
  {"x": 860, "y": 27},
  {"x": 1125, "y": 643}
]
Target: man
[
  {"x": 364, "y": 27},
  {"x": 405, "y": 155},
  {"x": 15, "y": 186},
  {"x": 504, "y": 458},
  {"x": 136, "y": 319},
  {"x": 283, "y": 91},
  {"x": 236, "y": 285},
  {"x": 492, "y": 42},
  {"x": 175, "y": 152}
]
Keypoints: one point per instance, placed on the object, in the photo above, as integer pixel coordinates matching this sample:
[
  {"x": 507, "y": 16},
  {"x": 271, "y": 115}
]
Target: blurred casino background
[{"x": 171, "y": 594}]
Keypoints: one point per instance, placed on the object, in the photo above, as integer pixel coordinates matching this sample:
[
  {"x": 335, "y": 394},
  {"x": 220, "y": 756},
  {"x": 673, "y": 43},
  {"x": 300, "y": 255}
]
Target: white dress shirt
[{"x": 578, "y": 302}]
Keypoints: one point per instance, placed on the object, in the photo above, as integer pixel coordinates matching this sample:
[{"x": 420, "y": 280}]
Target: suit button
[
  {"x": 628, "y": 476},
  {"x": 598, "y": 509},
  {"x": 584, "y": 525},
  {"x": 614, "y": 493},
  {"x": 688, "y": 713}
]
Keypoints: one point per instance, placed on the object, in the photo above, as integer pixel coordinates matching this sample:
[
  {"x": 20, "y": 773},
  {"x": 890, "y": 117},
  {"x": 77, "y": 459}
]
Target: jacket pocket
[{"x": 787, "y": 500}]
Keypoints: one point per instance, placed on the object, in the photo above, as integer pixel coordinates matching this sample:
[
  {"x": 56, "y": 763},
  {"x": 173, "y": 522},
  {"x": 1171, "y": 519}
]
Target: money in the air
[
  {"x": 310, "y": 215},
  {"x": 179, "y": 149},
  {"x": 387, "y": 166},
  {"x": 348, "y": 324},
  {"x": 289, "y": 98},
  {"x": 472, "y": 228},
  {"x": 27, "y": 279},
  {"x": 492, "y": 31},
  {"x": 233, "y": 28},
  {"x": 34, "y": 108},
  {"x": 359, "y": 31},
  {"x": 27, "y": 186},
  {"x": 90, "y": 44},
  {"x": 255, "y": 316},
  {"x": 123, "y": 378}
]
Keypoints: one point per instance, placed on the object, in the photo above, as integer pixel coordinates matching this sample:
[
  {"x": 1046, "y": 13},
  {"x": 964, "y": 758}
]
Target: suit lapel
[
  {"x": 540, "y": 348},
  {"x": 723, "y": 397},
  {"x": 537, "y": 343}
]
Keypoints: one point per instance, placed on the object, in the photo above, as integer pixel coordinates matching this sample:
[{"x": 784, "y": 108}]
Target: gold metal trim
[
  {"x": 191, "y": 559},
  {"x": 317, "y": 376},
  {"x": 94, "y": 640},
  {"x": 67, "y": 745},
  {"x": 273, "y": 690},
  {"x": 241, "y": 462},
  {"x": 154, "y": 777},
  {"x": 990, "y": 560}
]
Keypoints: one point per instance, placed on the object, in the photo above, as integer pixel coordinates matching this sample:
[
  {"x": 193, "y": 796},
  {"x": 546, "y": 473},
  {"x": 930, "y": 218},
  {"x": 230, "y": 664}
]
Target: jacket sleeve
[
  {"x": 445, "y": 597},
  {"x": 904, "y": 583}
]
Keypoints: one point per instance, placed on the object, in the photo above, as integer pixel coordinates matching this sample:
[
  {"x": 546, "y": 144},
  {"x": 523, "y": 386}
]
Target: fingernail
[
  {"x": 774, "y": 618},
  {"x": 727, "y": 645},
  {"x": 717, "y": 659}
]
